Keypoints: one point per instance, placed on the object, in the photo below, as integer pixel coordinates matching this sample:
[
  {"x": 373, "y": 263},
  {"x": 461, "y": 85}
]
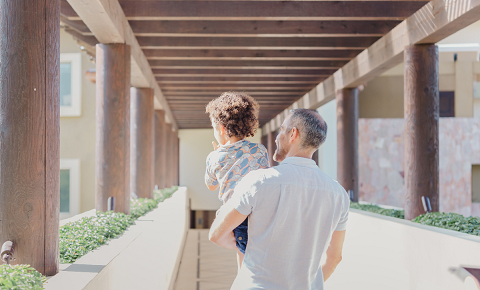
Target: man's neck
[{"x": 299, "y": 153}]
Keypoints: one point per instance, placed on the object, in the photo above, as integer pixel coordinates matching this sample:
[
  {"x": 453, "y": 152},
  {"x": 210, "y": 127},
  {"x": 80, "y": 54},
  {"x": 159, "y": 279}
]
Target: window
[
  {"x": 70, "y": 84},
  {"x": 475, "y": 183},
  {"x": 447, "y": 104},
  {"x": 69, "y": 187}
]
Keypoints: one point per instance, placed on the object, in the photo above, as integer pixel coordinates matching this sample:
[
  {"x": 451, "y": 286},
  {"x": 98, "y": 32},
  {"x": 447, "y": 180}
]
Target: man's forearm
[{"x": 227, "y": 241}]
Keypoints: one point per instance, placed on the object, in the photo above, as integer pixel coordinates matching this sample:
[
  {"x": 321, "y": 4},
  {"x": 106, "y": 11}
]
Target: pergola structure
[{"x": 160, "y": 62}]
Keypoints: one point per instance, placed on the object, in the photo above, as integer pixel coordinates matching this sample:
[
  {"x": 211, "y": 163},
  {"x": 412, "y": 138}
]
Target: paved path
[{"x": 204, "y": 265}]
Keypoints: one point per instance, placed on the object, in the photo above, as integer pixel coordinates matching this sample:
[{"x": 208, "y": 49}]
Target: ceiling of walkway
[{"x": 275, "y": 50}]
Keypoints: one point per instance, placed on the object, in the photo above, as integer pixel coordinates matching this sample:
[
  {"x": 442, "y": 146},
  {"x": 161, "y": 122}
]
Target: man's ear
[{"x": 294, "y": 134}]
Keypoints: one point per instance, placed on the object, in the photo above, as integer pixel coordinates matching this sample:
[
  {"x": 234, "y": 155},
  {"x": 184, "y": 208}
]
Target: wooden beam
[
  {"x": 228, "y": 86},
  {"x": 142, "y": 143},
  {"x": 269, "y": 10},
  {"x": 347, "y": 140},
  {"x": 30, "y": 126},
  {"x": 112, "y": 149},
  {"x": 432, "y": 23},
  {"x": 235, "y": 79},
  {"x": 421, "y": 129},
  {"x": 236, "y": 82},
  {"x": 318, "y": 64},
  {"x": 107, "y": 21},
  {"x": 242, "y": 72},
  {"x": 250, "y": 53},
  {"x": 200, "y": 42},
  {"x": 261, "y": 28}
]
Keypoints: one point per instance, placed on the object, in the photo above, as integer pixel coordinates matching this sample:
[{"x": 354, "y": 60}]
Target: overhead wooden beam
[
  {"x": 319, "y": 64},
  {"x": 259, "y": 28},
  {"x": 241, "y": 72},
  {"x": 234, "y": 79},
  {"x": 107, "y": 21},
  {"x": 250, "y": 53},
  {"x": 269, "y": 10},
  {"x": 435, "y": 21},
  {"x": 259, "y": 82},
  {"x": 200, "y": 42}
]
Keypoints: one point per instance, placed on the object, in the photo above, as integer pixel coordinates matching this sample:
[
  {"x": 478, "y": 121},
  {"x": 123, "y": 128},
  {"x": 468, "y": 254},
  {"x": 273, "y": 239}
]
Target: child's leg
[{"x": 240, "y": 256}]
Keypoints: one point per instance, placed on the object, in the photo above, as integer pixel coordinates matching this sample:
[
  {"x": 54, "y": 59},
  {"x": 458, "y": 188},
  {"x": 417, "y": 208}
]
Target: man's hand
[
  {"x": 215, "y": 146},
  {"x": 221, "y": 232}
]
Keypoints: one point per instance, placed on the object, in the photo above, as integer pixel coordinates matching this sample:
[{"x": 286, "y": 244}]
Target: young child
[{"x": 234, "y": 117}]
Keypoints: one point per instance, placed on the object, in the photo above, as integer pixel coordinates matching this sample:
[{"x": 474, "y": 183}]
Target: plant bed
[
  {"x": 83, "y": 236},
  {"x": 449, "y": 221}
]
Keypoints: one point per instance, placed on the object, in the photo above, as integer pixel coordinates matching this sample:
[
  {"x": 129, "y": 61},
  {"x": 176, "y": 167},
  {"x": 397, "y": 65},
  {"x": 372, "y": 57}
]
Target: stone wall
[{"x": 381, "y": 151}]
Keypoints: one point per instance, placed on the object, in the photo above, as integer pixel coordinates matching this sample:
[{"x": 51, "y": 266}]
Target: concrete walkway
[{"x": 204, "y": 265}]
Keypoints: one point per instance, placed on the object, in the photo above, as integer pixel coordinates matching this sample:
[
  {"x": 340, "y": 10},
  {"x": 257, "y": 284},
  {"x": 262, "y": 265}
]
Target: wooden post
[
  {"x": 271, "y": 148},
  {"x": 30, "y": 131},
  {"x": 421, "y": 128},
  {"x": 167, "y": 162},
  {"x": 347, "y": 140},
  {"x": 142, "y": 142},
  {"x": 176, "y": 180},
  {"x": 113, "y": 127},
  {"x": 160, "y": 148}
]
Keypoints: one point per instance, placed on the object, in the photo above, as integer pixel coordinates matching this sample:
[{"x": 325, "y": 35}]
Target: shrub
[
  {"x": 20, "y": 277},
  {"x": 380, "y": 210},
  {"x": 451, "y": 221}
]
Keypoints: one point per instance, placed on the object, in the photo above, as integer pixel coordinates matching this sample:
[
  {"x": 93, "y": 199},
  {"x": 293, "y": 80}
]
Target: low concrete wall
[
  {"x": 146, "y": 256},
  {"x": 387, "y": 253}
]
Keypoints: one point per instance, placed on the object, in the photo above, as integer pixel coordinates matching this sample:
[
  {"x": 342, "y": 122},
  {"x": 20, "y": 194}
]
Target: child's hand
[{"x": 215, "y": 146}]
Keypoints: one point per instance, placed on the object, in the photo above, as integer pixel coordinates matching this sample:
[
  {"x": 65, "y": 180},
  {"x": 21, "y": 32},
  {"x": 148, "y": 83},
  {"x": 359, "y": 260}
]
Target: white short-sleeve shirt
[{"x": 293, "y": 209}]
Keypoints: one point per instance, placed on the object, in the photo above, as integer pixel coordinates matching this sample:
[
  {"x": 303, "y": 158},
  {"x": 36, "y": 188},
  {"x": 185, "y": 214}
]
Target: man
[{"x": 295, "y": 212}]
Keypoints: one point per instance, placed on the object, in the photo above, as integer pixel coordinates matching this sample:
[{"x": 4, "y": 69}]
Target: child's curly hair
[{"x": 237, "y": 112}]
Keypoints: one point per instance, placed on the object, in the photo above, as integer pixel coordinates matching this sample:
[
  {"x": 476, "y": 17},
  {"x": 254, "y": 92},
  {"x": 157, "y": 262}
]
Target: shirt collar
[{"x": 300, "y": 161}]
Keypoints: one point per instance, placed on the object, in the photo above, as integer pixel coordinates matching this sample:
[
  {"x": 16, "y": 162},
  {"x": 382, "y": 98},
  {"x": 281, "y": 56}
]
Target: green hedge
[
  {"x": 450, "y": 221},
  {"x": 20, "y": 277},
  {"x": 376, "y": 209}
]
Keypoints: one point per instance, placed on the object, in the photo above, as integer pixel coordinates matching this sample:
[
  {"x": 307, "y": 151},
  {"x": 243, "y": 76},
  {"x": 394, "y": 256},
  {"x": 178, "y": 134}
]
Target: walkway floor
[{"x": 204, "y": 265}]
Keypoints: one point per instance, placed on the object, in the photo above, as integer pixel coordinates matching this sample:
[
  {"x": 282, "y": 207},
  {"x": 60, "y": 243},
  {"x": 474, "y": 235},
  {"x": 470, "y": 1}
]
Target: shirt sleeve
[
  {"x": 210, "y": 177},
  {"x": 342, "y": 224},
  {"x": 245, "y": 196}
]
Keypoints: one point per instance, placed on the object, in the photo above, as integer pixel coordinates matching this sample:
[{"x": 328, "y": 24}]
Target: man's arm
[
  {"x": 221, "y": 231},
  {"x": 334, "y": 254}
]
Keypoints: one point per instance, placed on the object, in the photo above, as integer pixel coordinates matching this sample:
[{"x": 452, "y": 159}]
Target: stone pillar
[
  {"x": 421, "y": 128},
  {"x": 347, "y": 140},
  {"x": 271, "y": 148},
  {"x": 113, "y": 127},
  {"x": 142, "y": 142},
  {"x": 176, "y": 179},
  {"x": 160, "y": 148},
  {"x": 167, "y": 163},
  {"x": 30, "y": 131}
]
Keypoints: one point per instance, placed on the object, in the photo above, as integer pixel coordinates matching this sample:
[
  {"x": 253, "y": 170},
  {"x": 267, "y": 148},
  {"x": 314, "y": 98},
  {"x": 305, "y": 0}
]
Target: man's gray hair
[{"x": 311, "y": 127}]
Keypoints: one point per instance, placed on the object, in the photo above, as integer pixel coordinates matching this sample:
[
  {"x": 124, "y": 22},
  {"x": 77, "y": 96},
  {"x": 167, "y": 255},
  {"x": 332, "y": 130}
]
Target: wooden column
[
  {"x": 142, "y": 142},
  {"x": 160, "y": 148},
  {"x": 271, "y": 148},
  {"x": 30, "y": 131},
  {"x": 421, "y": 128},
  {"x": 113, "y": 127},
  {"x": 176, "y": 178},
  {"x": 167, "y": 163},
  {"x": 347, "y": 140}
]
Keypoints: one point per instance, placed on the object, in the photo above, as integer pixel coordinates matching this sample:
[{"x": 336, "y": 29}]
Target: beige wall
[
  {"x": 77, "y": 134},
  {"x": 383, "y": 96},
  {"x": 195, "y": 145}
]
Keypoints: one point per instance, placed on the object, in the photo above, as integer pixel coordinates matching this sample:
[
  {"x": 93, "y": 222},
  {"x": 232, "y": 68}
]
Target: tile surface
[{"x": 204, "y": 265}]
